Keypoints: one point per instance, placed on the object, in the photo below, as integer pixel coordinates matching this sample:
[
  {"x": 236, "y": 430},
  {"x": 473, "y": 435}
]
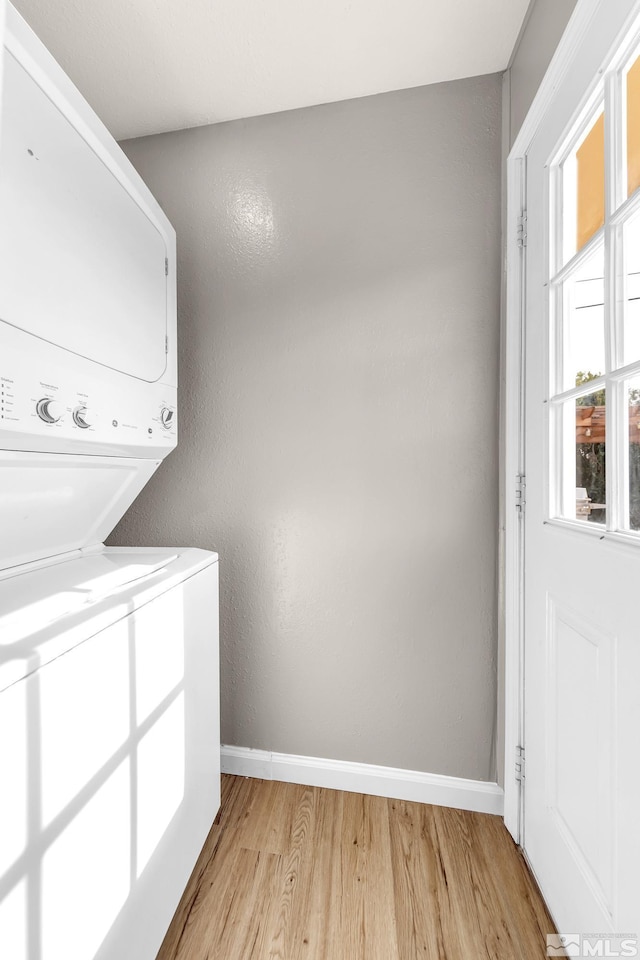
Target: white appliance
[
  {"x": 109, "y": 705},
  {"x": 108, "y": 749}
]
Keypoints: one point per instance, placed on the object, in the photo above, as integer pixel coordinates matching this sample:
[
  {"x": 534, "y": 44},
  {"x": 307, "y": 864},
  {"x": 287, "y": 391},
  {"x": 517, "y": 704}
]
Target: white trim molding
[
  {"x": 513, "y": 359},
  {"x": 570, "y": 43},
  {"x": 476, "y": 795}
]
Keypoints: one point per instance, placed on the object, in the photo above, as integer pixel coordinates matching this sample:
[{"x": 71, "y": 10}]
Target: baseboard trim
[{"x": 396, "y": 784}]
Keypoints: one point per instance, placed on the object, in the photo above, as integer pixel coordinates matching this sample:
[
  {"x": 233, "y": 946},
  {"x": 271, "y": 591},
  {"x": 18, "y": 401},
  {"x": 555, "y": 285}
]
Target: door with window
[{"x": 582, "y": 526}]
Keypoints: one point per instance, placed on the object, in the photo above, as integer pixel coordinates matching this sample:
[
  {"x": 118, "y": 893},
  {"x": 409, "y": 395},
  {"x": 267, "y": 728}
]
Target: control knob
[
  {"x": 49, "y": 410},
  {"x": 80, "y": 417},
  {"x": 167, "y": 417}
]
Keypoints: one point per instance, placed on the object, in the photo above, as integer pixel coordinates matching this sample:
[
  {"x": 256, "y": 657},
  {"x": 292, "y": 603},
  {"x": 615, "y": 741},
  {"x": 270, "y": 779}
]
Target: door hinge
[
  {"x": 166, "y": 266},
  {"x": 166, "y": 343},
  {"x": 521, "y": 490},
  {"x": 521, "y": 236},
  {"x": 520, "y": 764}
]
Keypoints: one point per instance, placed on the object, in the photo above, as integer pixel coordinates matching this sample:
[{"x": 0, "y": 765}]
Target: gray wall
[
  {"x": 537, "y": 44},
  {"x": 339, "y": 282}
]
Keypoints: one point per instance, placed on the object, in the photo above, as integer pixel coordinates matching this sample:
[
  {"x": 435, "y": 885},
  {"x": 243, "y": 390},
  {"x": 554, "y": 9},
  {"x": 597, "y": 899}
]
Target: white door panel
[{"x": 582, "y": 547}]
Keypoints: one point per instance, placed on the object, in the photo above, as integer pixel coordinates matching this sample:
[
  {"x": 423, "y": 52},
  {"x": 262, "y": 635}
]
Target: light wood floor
[{"x": 301, "y": 873}]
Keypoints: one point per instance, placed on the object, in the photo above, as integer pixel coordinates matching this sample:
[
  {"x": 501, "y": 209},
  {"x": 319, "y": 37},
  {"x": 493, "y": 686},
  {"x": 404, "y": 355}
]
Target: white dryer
[
  {"x": 88, "y": 316},
  {"x": 109, "y": 705}
]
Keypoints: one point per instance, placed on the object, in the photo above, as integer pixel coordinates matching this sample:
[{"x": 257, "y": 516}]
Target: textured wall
[
  {"x": 339, "y": 283},
  {"x": 537, "y": 45}
]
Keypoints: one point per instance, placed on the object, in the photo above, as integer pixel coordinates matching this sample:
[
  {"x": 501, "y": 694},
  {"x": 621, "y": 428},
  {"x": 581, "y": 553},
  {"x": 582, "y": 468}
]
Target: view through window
[{"x": 595, "y": 312}]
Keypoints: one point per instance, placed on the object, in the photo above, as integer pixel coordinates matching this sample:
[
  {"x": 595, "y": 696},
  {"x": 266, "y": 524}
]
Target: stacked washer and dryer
[{"x": 109, "y": 704}]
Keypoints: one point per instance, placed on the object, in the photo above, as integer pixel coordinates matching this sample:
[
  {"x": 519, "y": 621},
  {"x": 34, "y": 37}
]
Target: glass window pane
[
  {"x": 632, "y": 290},
  {"x": 634, "y": 453},
  {"x": 584, "y": 443},
  {"x": 633, "y": 128},
  {"x": 583, "y": 326},
  {"x": 590, "y": 183},
  {"x": 583, "y": 189}
]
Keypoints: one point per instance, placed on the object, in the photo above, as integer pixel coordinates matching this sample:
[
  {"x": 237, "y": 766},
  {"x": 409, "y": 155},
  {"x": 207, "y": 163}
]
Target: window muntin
[{"x": 631, "y": 289}]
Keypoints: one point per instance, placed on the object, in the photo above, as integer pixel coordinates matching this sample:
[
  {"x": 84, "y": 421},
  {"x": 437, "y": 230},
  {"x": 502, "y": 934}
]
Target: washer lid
[
  {"x": 33, "y": 601},
  {"x": 81, "y": 264},
  {"x": 46, "y": 612}
]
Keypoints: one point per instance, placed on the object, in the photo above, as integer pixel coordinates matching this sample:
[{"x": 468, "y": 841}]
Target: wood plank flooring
[{"x": 300, "y": 873}]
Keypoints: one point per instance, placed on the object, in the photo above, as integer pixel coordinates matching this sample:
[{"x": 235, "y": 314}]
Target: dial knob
[
  {"x": 167, "y": 417},
  {"x": 49, "y": 410},
  {"x": 80, "y": 418}
]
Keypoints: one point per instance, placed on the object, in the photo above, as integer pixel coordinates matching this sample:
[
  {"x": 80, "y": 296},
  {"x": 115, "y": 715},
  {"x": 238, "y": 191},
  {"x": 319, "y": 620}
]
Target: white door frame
[{"x": 513, "y": 410}]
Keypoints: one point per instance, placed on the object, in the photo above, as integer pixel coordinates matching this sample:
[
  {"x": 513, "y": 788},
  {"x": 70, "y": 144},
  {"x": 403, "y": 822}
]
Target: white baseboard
[{"x": 365, "y": 778}]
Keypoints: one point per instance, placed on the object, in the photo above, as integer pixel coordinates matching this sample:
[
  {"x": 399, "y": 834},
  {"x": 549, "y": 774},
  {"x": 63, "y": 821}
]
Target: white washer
[
  {"x": 109, "y": 702},
  {"x": 109, "y": 727}
]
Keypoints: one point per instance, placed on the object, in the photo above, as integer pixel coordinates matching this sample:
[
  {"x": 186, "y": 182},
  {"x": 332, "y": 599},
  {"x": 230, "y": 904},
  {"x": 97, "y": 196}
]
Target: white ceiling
[{"x": 152, "y": 65}]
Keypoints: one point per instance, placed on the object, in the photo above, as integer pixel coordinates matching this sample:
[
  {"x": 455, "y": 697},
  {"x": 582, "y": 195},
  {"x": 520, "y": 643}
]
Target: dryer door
[{"x": 81, "y": 264}]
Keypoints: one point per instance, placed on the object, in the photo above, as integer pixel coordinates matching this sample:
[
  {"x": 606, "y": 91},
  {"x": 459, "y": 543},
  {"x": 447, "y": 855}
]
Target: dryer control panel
[{"x": 62, "y": 403}]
